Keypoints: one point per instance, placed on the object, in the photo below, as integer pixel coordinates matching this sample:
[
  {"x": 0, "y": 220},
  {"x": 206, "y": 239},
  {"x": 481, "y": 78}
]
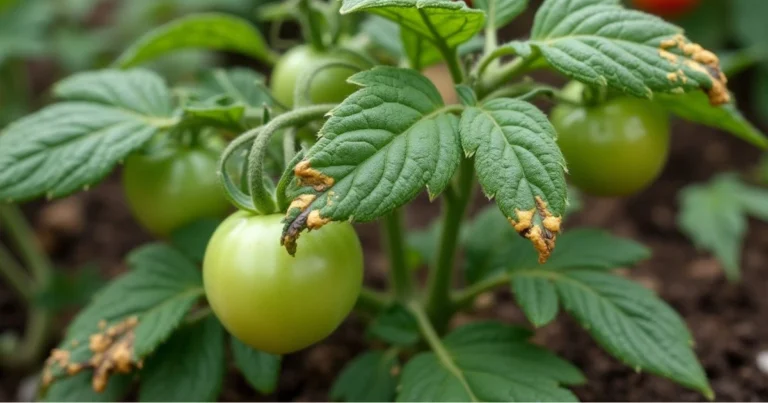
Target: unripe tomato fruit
[
  {"x": 666, "y": 8},
  {"x": 613, "y": 149},
  {"x": 169, "y": 188},
  {"x": 328, "y": 86},
  {"x": 275, "y": 302}
]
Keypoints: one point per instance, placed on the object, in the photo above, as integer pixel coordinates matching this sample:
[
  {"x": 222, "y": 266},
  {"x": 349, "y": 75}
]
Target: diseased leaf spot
[
  {"x": 701, "y": 60},
  {"x": 309, "y": 176}
]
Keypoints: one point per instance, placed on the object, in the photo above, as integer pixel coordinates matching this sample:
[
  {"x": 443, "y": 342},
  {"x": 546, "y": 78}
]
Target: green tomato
[
  {"x": 613, "y": 149},
  {"x": 328, "y": 86},
  {"x": 275, "y": 302},
  {"x": 172, "y": 187}
]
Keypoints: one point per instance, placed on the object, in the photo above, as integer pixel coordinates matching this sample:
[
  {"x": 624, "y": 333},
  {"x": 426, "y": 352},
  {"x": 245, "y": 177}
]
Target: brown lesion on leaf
[
  {"x": 701, "y": 60},
  {"x": 315, "y": 220},
  {"x": 542, "y": 236},
  {"x": 309, "y": 176},
  {"x": 111, "y": 349}
]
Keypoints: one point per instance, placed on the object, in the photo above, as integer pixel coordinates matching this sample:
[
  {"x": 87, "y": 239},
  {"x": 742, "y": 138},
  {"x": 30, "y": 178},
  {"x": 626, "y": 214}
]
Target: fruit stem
[{"x": 400, "y": 275}]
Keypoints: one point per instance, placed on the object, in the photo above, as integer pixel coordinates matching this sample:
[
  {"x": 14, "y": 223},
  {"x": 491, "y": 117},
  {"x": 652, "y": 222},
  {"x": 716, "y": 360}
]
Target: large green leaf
[
  {"x": 491, "y": 362},
  {"x": 74, "y": 144},
  {"x": 695, "y": 107},
  {"x": 426, "y": 24},
  {"x": 260, "y": 369},
  {"x": 518, "y": 161},
  {"x": 370, "y": 377},
  {"x": 601, "y": 43},
  {"x": 629, "y": 321},
  {"x": 189, "y": 367},
  {"x": 377, "y": 150},
  {"x": 212, "y": 31},
  {"x": 152, "y": 299}
]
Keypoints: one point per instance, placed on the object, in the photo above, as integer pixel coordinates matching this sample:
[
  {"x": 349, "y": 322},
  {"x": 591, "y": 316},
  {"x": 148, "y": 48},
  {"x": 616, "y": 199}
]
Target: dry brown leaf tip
[
  {"x": 309, "y": 176},
  {"x": 112, "y": 351},
  {"x": 701, "y": 60},
  {"x": 542, "y": 237}
]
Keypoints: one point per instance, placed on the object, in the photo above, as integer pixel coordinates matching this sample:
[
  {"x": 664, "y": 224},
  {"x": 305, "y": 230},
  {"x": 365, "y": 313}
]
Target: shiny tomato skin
[
  {"x": 328, "y": 86},
  {"x": 613, "y": 149},
  {"x": 275, "y": 302},
  {"x": 666, "y": 8},
  {"x": 172, "y": 187}
]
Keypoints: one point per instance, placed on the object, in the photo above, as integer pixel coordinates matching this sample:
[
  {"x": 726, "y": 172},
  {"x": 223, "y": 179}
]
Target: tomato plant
[
  {"x": 156, "y": 183},
  {"x": 349, "y": 129},
  {"x": 666, "y": 8},
  {"x": 613, "y": 149},
  {"x": 275, "y": 302}
]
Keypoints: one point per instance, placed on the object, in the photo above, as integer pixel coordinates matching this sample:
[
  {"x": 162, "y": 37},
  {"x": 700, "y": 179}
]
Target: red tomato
[{"x": 666, "y": 8}]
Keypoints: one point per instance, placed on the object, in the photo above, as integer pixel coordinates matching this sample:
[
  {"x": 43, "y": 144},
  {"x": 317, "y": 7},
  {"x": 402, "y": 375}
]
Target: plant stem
[
  {"x": 498, "y": 77},
  {"x": 466, "y": 296},
  {"x": 450, "y": 55},
  {"x": 371, "y": 302},
  {"x": 309, "y": 26},
  {"x": 441, "y": 275},
  {"x": 399, "y": 274},
  {"x": 15, "y": 275},
  {"x": 23, "y": 238}
]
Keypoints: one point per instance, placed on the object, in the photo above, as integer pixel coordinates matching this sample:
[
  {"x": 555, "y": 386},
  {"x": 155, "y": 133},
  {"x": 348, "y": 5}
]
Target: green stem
[
  {"x": 310, "y": 26},
  {"x": 466, "y": 296},
  {"x": 262, "y": 197},
  {"x": 371, "y": 302},
  {"x": 25, "y": 241},
  {"x": 450, "y": 55},
  {"x": 433, "y": 339},
  {"x": 15, "y": 275},
  {"x": 440, "y": 278},
  {"x": 289, "y": 146},
  {"x": 499, "y": 77},
  {"x": 399, "y": 274},
  {"x": 28, "y": 352}
]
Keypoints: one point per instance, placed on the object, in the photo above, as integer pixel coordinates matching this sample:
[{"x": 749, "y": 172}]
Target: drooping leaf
[
  {"x": 212, "y": 31},
  {"x": 74, "y": 144},
  {"x": 519, "y": 164},
  {"x": 630, "y": 322},
  {"x": 377, "y": 150},
  {"x": 601, "y": 43},
  {"x": 136, "y": 312},
  {"x": 715, "y": 221},
  {"x": 260, "y": 369},
  {"x": 696, "y": 108},
  {"x": 188, "y": 367},
  {"x": 487, "y": 362},
  {"x": 502, "y": 12},
  {"x": 370, "y": 377}
]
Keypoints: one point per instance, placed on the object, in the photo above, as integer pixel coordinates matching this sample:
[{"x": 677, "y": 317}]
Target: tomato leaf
[
  {"x": 377, "y": 150},
  {"x": 228, "y": 117},
  {"x": 489, "y": 362},
  {"x": 519, "y": 163},
  {"x": 502, "y": 12},
  {"x": 370, "y": 377},
  {"x": 695, "y": 107},
  {"x": 601, "y": 43},
  {"x": 629, "y": 321},
  {"x": 78, "y": 389},
  {"x": 211, "y": 31},
  {"x": 74, "y": 144},
  {"x": 241, "y": 85},
  {"x": 260, "y": 369},
  {"x": 188, "y": 367},
  {"x": 138, "y": 311},
  {"x": 426, "y": 25},
  {"x": 537, "y": 298}
]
